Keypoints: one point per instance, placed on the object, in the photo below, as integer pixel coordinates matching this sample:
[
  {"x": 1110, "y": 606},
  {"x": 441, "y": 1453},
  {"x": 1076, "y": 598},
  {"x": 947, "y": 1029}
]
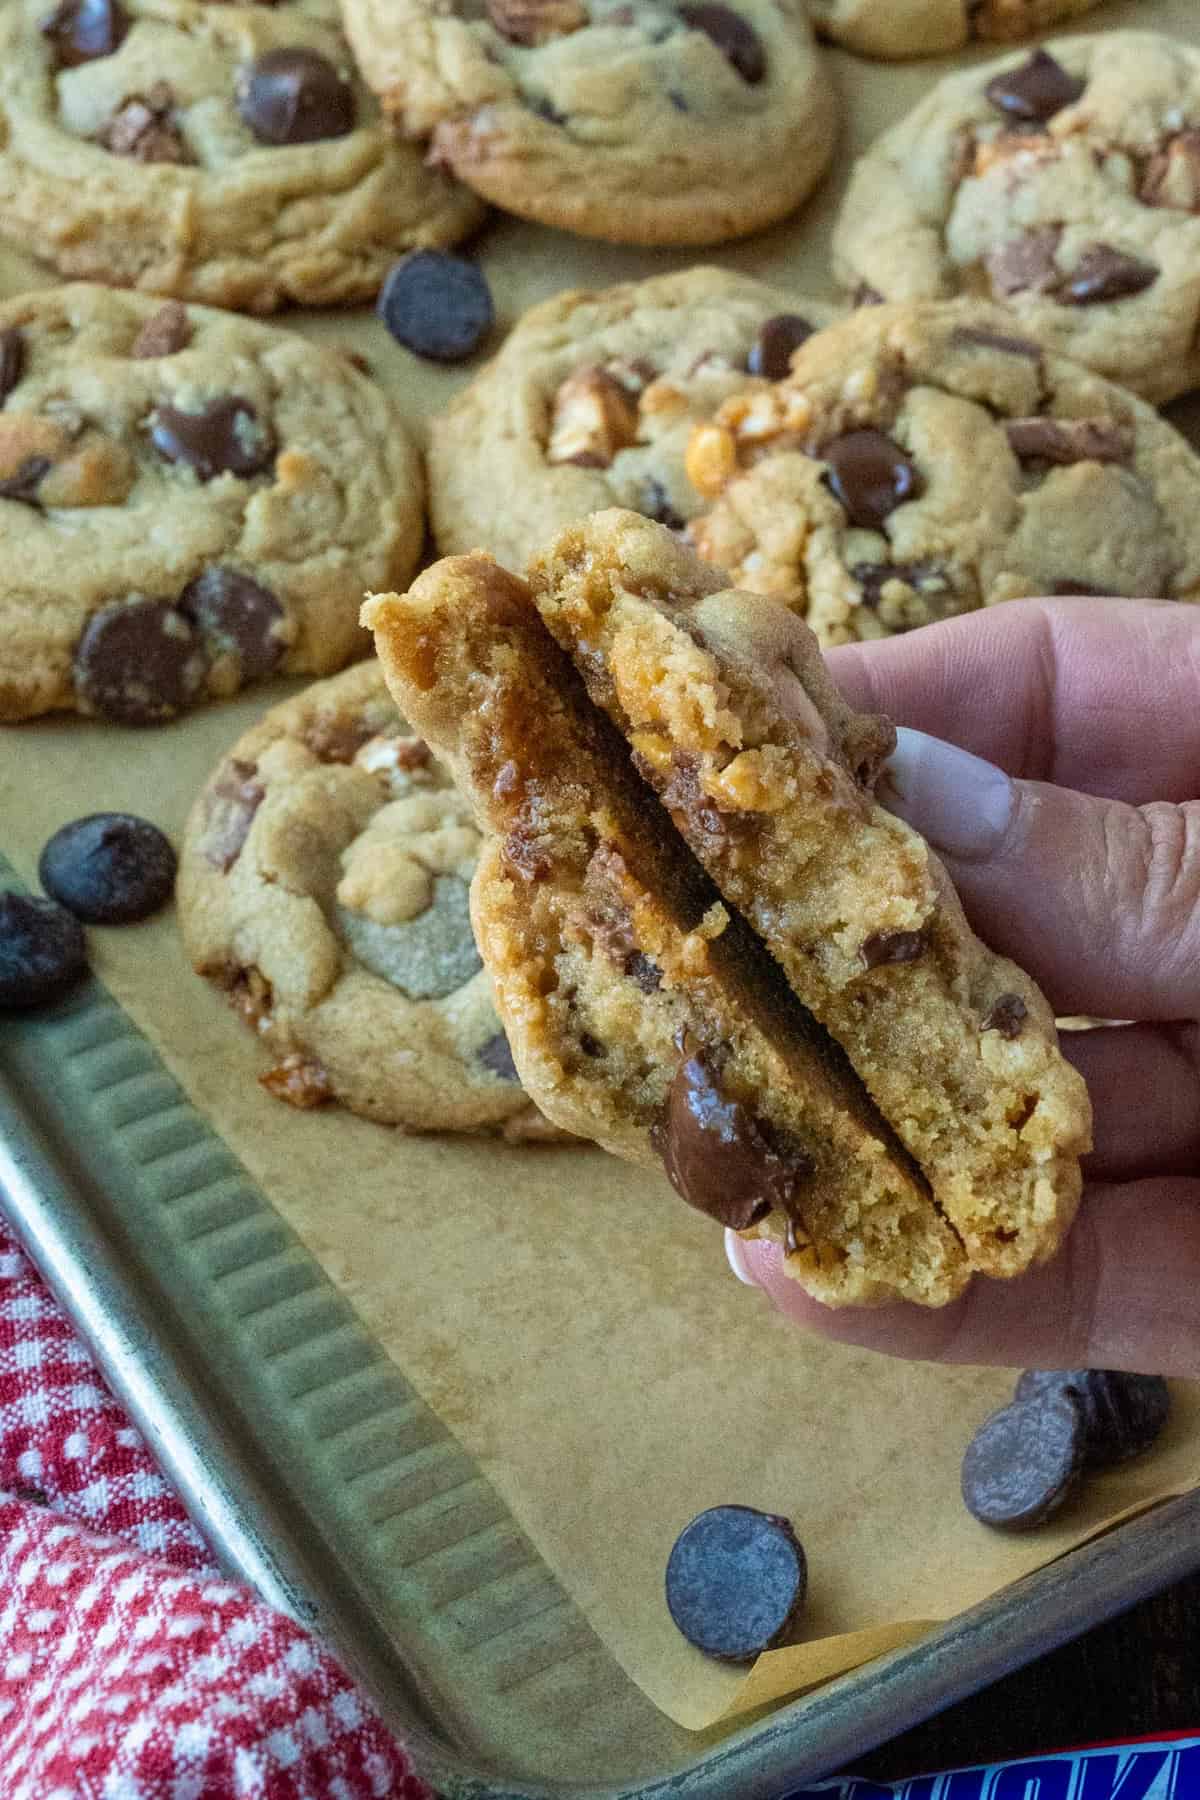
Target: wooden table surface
[{"x": 1135, "y": 1676}]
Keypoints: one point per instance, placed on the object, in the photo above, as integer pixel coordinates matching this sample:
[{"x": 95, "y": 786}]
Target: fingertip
[{"x": 735, "y": 1256}]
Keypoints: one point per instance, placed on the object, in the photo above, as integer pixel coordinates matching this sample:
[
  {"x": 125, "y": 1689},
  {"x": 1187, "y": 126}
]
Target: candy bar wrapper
[{"x": 1135, "y": 1769}]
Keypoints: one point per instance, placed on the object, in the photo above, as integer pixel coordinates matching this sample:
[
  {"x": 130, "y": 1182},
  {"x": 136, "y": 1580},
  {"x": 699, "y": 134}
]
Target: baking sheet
[{"x": 568, "y": 1318}]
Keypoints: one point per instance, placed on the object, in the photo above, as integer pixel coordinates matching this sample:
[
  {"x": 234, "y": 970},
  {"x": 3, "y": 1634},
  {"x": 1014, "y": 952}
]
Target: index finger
[{"x": 1097, "y": 695}]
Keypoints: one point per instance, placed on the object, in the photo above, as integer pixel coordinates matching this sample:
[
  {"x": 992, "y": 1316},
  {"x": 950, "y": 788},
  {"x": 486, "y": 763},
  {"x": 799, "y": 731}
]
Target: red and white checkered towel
[{"x": 129, "y": 1669}]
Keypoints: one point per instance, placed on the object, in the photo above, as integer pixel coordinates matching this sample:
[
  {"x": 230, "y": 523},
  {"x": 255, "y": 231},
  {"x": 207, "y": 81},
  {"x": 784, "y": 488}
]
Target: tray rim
[{"x": 253, "y": 1532}]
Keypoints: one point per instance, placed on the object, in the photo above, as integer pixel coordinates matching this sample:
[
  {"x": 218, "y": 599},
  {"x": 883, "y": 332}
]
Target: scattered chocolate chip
[
  {"x": 236, "y": 617},
  {"x": 109, "y": 868},
  {"x": 333, "y": 739},
  {"x": 734, "y": 37},
  {"x": 655, "y": 503},
  {"x": 496, "y": 1056},
  {"x": 894, "y": 947},
  {"x": 138, "y": 662},
  {"x": 718, "y": 1155},
  {"x": 870, "y": 476},
  {"x": 643, "y": 971},
  {"x": 1025, "y": 264},
  {"x": 12, "y": 360},
  {"x": 1103, "y": 273},
  {"x": 996, "y": 340},
  {"x": 1068, "y": 441},
  {"x": 43, "y": 951},
  {"x": 295, "y": 96},
  {"x": 590, "y": 1045},
  {"x": 82, "y": 30},
  {"x": 143, "y": 129},
  {"x": 437, "y": 305},
  {"x": 1070, "y": 585},
  {"x": 1023, "y": 1462},
  {"x": 771, "y": 352},
  {"x": 865, "y": 295},
  {"x": 922, "y": 577},
  {"x": 25, "y": 483},
  {"x": 1036, "y": 90},
  {"x": 736, "y": 1582},
  {"x": 224, "y": 438},
  {"x": 1006, "y": 1015},
  {"x": 230, "y": 804},
  {"x": 533, "y": 22},
  {"x": 165, "y": 332},
  {"x": 1122, "y": 1414}
]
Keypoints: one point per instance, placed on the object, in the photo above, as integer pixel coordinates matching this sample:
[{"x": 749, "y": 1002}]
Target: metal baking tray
[{"x": 319, "y": 1476}]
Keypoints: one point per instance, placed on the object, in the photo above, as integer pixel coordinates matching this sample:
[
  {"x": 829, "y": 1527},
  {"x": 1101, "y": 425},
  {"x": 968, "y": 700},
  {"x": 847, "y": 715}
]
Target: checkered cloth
[{"x": 129, "y": 1669}]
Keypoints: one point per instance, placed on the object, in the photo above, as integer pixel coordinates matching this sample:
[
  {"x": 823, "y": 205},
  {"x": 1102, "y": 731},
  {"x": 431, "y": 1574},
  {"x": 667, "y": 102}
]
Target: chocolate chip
[
  {"x": 496, "y": 1056},
  {"x": 1122, "y": 1414},
  {"x": 165, "y": 332},
  {"x": 1103, "y": 273},
  {"x": 922, "y": 577},
  {"x": 138, "y": 662},
  {"x": 866, "y": 295},
  {"x": 229, "y": 808},
  {"x": 894, "y": 947},
  {"x": 655, "y": 503},
  {"x": 28, "y": 478},
  {"x": 590, "y": 1045},
  {"x": 437, "y": 305},
  {"x": 643, "y": 971},
  {"x": 996, "y": 340},
  {"x": 143, "y": 128},
  {"x": 734, "y": 37},
  {"x": 43, "y": 951},
  {"x": 1070, "y": 585},
  {"x": 224, "y": 437},
  {"x": 736, "y": 1582},
  {"x": 1006, "y": 1015},
  {"x": 333, "y": 739},
  {"x": 1025, "y": 264},
  {"x": 82, "y": 30},
  {"x": 109, "y": 868},
  {"x": 1023, "y": 1462},
  {"x": 1068, "y": 441},
  {"x": 295, "y": 96},
  {"x": 12, "y": 360},
  {"x": 771, "y": 352},
  {"x": 238, "y": 618},
  {"x": 1036, "y": 90},
  {"x": 717, "y": 1154},
  {"x": 870, "y": 476}
]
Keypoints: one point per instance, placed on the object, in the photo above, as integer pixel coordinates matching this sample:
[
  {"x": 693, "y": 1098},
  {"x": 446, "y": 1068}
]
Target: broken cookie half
[{"x": 642, "y": 966}]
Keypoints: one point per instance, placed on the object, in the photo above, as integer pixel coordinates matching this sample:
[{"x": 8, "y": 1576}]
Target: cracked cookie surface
[
  {"x": 923, "y": 460},
  {"x": 591, "y": 401},
  {"x": 1064, "y": 184},
  {"x": 642, "y": 1012},
  {"x": 895, "y": 29},
  {"x": 323, "y": 888},
  {"x": 217, "y": 152},
  {"x": 655, "y": 123},
  {"x": 190, "y": 501},
  {"x": 732, "y": 719}
]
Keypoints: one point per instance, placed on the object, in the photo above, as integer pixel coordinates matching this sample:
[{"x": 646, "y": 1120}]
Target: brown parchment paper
[{"x": 570, "y": 1319}]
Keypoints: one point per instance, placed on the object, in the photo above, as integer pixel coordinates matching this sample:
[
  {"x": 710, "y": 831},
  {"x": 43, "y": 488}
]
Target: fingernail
[
  {"x": 962, "y": 804},
  {"x": 735, "y": 1256}
]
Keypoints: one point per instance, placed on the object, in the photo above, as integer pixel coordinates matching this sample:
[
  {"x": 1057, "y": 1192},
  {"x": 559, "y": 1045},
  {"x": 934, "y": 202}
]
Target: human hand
[{"x": 1076, "y": 849}]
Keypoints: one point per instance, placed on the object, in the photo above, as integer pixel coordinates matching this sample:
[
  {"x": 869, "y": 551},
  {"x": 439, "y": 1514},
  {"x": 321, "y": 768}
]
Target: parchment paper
[{"x": 571, "y": 1320}]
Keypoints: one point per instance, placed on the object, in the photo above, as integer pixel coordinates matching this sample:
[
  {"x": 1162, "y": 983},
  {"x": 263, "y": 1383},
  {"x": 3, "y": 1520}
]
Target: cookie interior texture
[
  {"x": 635, "y": 1000},
  {"x": 732, "y": 719},
  {"x": 658, "y": 123},
  {"x": 896, "y": 29}
]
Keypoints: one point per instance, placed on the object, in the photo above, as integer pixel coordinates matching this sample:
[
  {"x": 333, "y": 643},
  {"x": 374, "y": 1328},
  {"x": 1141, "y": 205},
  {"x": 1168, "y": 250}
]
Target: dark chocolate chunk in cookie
[
  {"x": 885, "y": 947},
  {"x": 1036, "y": 90},
  {"x": 144, "y": 129},
  {"x": 1006, "y": 1015},
  {"x": 1070, "y": 440},
  {"x": 734, "y": 37},
  {"x": 138, "y": 662},
  {"x": 1122, "y": 1414},
  {"x": 166, "y": 332},
  {"x": 25, "y": 481},
  {"x": 43, "y": 951},
  {"x": 1103, "y": 273},
  {"x": 225, "y": 437},
  {"x": 771, "y": 352},
  {"x": 81, "y": 30},
  {"x": 295, "y": 96},
  {"x": 1024, "y": 1461},
  {"x": 870, "y": 476},
  {"x": 12, "y": 360},
  {"x": 736, "y": 1582},
  {"x": 237, "y": 618},
  {"x": 437, "y": 305},
  {"x": 496, "y": 1056},
  {"x": 996, "y": 340},
  {"x": 718, "y": 1155},
  {"x": 229, "y": 808},
  {"x": 109, "y": 868}
]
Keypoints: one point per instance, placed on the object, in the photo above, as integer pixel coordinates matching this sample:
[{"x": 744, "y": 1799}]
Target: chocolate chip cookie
[
  {"x": 323, "y": 888},
  {"x": 642, "y": 1010},
  {"x": 1063, "y": 184},
  {"x": 591, "y": 401},
  {"x": 732, "y": 720},
  {"x": 189, "y": 501},
  {"x": 223, "y": 153},
  {"x": 924, "y": 460},
  {"x": 895, "y": 29},
  {"x": 654, "y": 123}
]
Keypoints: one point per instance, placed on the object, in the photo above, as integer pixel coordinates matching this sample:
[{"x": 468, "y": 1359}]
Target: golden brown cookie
[{"x": 895, "y": 29}]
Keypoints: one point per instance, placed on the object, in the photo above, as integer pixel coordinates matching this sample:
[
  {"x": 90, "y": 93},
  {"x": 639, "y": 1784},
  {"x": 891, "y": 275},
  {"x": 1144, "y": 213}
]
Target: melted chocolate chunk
[
  {"x": 1070, "y": 586},
  {"x": 236, "y": 617},
  {"x": 736, "y": 1582},
  {"x": 1023, "y": 1462},
  {"x": 996, "y": 340},
  {"x": 1025, "y": 264},
  {"x": 655, "y": 503},
  {"x": 870, "y": 476},
  {"x": 894, "y": 947},
  {"x": 224, "y": 438},
  {"x": 1006, "y": 1015},
  {"x": 229, "y": 808},
  {"x": 139, "y": 662},
  {"x": 771, "y": 352},
  {"x": 718, "y": 1155},
  {"x": 1122, "y": 1414},
  {"x": 12, "y": 360},
  {"x": 734, "y": 37},
  {"x": 643, "y": 971},
  {"x": 28, "y": 478},
  {"x": 1036, "y": 90},
  {"x": 1067, "y": 441},
  {"x": 866, "y": 295},
  {"x": 437, "y": 305},
  {"x": 165, "y": 332},
  {"x": 295, "y": 96},
  {"x": 109, "y": 868},
  {"x": 496, "y": 1057},
  {"x": 82, "y": 30},
  {"x": 333, "y": 739},
  {"x": 143, "y": 129},
  {"x": 1103, "y": 273},
  {"x": 43, "y": 951}
]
